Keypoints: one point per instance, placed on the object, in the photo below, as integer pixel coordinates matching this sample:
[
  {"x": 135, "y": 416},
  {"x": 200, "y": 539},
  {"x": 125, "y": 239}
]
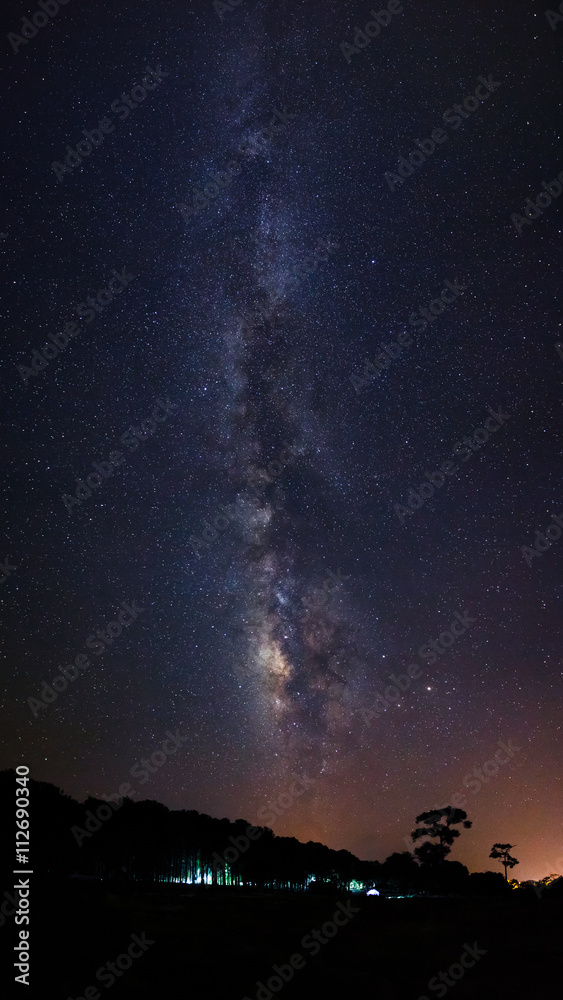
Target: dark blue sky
[{"x": 233, "y": 645}]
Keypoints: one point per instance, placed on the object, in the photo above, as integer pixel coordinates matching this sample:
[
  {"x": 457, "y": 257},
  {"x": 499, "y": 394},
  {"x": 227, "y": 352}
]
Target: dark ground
[{"x": 211, "y": 944}]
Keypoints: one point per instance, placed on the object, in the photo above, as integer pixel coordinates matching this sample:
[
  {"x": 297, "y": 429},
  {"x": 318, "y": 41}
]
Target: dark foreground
[{"x": 210, "y": 944}]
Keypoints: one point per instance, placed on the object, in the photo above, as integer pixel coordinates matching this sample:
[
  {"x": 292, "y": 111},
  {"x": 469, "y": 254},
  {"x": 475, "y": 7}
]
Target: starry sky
[{"x": 244, "y": 319}]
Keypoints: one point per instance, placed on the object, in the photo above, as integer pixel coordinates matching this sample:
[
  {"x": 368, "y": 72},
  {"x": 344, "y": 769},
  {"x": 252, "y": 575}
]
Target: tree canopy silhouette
[
  {"x": 439, "y": 829},
  {"x": 501, "y": 853},
  {"x": 140, "y": 842}
]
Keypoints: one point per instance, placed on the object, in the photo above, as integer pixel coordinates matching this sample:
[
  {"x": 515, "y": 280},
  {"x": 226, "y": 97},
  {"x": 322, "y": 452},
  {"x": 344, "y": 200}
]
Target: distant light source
[
  {"x": 355, "y": 886},
  {"x": 372, "y": 892}
]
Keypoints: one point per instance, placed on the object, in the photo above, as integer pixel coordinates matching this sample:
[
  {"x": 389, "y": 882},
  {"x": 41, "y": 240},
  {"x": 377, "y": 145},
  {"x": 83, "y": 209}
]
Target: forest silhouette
[{"x": 132, "y": 841}]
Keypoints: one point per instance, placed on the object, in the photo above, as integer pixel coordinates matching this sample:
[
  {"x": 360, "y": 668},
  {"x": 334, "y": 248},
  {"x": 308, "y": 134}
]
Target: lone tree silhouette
[
  {"x": 501, "y": 851},
  {"x": 438, "y": 827}
]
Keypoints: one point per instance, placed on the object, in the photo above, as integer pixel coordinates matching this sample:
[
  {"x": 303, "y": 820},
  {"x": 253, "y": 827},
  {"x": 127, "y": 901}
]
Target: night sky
[{"x": 244, "y": 321}]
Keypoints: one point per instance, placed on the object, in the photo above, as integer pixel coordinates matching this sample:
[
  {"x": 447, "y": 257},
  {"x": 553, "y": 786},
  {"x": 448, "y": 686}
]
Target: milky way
[{"x": 275, "y": 272}]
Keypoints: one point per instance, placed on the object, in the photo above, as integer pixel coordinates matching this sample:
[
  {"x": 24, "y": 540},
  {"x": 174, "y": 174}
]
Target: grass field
[{"x": 210, "y": 944}]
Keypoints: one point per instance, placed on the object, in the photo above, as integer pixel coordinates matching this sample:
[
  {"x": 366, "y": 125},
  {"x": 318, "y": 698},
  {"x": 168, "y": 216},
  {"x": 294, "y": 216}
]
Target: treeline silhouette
[{"x": 145, "y": 841}]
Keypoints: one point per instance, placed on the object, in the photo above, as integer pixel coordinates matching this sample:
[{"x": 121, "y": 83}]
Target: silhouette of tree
[
  {"x": 438, "y": 827},
  {"x": 488, "y": 884},
  {"x": 401, "y": 872},
  {"x": 132, "y": 841},
  {"x": 553, "y": 888},
  {"x": 501, "y": 852}
]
